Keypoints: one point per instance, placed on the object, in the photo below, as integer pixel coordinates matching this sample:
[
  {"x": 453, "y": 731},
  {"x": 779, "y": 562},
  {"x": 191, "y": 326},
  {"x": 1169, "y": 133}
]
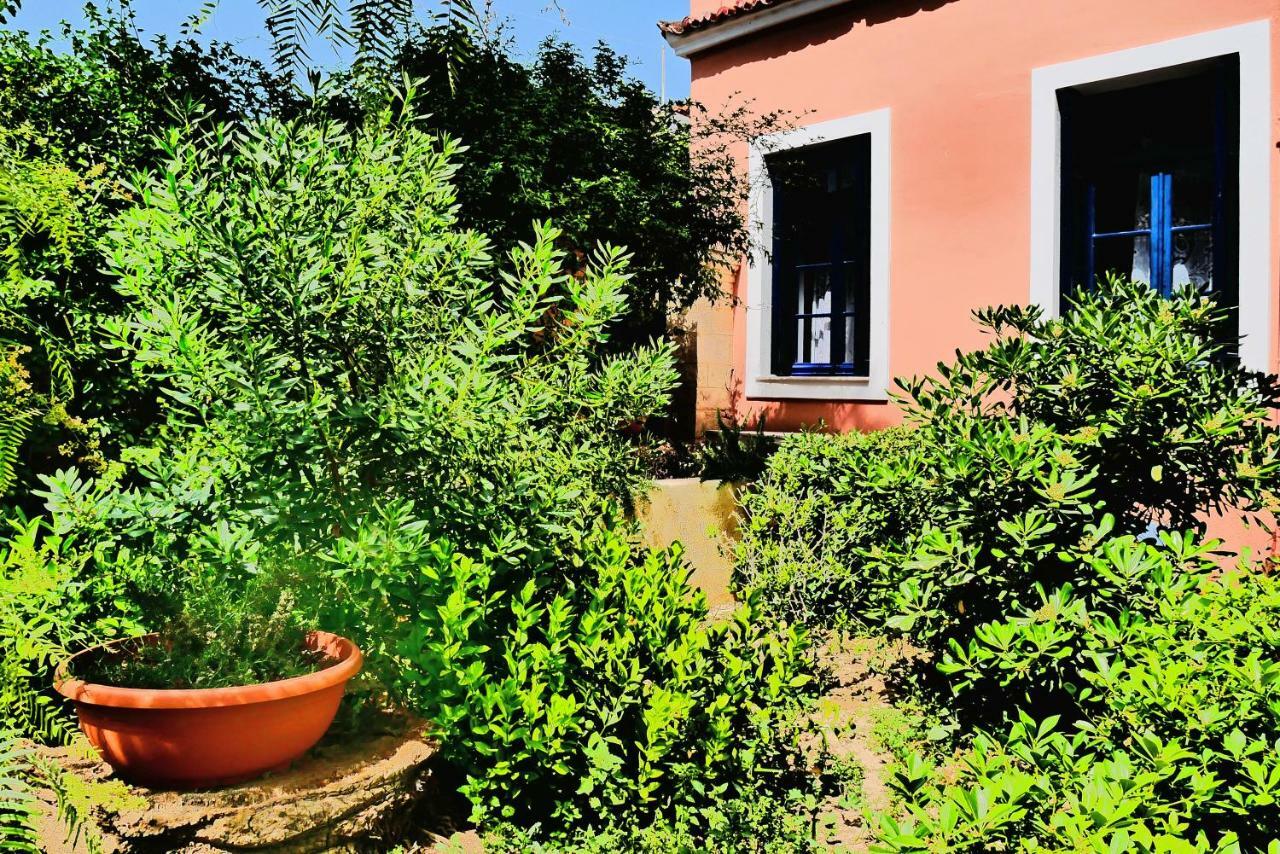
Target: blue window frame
[
  {"x": 821, "y": 259},
  {"x": 1149, "y": 181}
]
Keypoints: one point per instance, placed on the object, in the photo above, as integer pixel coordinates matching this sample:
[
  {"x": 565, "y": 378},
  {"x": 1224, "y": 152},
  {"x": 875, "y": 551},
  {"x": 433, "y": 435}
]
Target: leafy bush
[
  {"x": 1120, "y": 584},
  {"x": 75, "y": 120},
  {"x": 44, "y": 205},
  {"x": 822, "y": 499},
  {"x": 1179, "y": 748},
  {"x": 579, "y": 142},
  {"x": 733, "y": 452},
  {"x": 48, "y": 608},
  {"x": 331, "y": 341},
  {"x": 588, "y": 693},
  {"x": 759, "y": 821},
  {"x": 1025, "y": 457},
  {"x": 1140, "y": 385},
  {"x": 102, "y": 95},
  {"x": 346, "y": 372},
  {"x": 45, "y": 611}
]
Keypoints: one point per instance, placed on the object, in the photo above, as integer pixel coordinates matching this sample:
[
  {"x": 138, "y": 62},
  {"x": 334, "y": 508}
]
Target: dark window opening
[
  {"x": 821, "y": 264},
  {"x": 1150, "y": 180}
]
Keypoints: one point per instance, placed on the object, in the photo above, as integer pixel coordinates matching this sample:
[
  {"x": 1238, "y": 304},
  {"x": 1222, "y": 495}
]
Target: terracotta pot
[{"x": 205, "y": 737}]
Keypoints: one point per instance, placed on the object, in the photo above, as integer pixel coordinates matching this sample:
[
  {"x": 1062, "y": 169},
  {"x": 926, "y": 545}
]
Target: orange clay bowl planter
[{"x": 207, "y": 737}]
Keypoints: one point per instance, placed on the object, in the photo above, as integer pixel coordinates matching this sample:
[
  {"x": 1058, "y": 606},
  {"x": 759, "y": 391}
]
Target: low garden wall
[{"x": 702, "y": 516}]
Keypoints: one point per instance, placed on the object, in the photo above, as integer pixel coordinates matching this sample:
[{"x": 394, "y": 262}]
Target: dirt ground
[{"x": 852, "y": 712}]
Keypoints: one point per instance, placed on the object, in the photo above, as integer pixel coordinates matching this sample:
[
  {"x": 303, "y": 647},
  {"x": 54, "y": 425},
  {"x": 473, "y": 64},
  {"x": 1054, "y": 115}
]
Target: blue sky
[{"x": 628, "y": 25}]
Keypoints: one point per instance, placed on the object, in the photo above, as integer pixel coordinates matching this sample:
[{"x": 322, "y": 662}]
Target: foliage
[
  {"x": 367, "y": 423},
  {"x": 731, "y": 453},
  {"x": 46, "y": 607},
  {"x": 73, "y": 123},
  {"x": 18, "y": 803},
  {"x": 759, "y": 821},
  {"x": 823, "y": 498},
  {"x": 591, "y": 692},
  {"x": 1028, "y": 457},
  {"x": 581, "y": 143},
  {"x": 1141, "y": 387},
  {"x": 17, "y": 413},
  {"x": 1119, "y": 584},
  {"x": 1179, "y": 749},
  {"x": 329, "y": 341},
  {"x": 47, "y": 610},
  {"x": 370, "y": 26},
  {"x": 1022, "y": 530},
  {"x": 43, "y": 208},
  {"x": 102, "y": 94}
]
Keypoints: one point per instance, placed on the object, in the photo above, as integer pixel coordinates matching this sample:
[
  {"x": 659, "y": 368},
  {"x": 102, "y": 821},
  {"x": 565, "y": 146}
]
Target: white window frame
[
  {"x": 761, "y": 382},
  {"x": 1252, "y": 43}
]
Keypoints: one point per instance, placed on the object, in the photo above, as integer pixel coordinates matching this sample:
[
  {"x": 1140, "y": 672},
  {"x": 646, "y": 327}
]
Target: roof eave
[{"x": 693, "y": 42}]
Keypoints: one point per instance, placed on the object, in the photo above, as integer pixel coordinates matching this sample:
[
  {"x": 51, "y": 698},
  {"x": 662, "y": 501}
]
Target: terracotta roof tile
[{"x": 724, "y": 13}]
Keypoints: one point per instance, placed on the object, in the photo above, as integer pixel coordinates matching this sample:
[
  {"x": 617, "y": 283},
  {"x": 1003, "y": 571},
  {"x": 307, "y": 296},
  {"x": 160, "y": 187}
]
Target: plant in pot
[{"x": 234, "y": 685}]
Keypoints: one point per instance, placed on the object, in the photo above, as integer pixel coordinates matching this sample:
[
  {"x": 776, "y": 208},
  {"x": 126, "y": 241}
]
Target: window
[
  {"x": 817, "y": 302},
  {"x": 1149, "y": 176},
  {"x": 1228, "y": 68},
  {"x": 821, "y": 259}
]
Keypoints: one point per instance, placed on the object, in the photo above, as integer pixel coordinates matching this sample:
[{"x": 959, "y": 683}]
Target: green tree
[
  {"x": 583, "y": 144},
  {"x": 370, "y": 26},
  {"x": 74, "y": 125}
]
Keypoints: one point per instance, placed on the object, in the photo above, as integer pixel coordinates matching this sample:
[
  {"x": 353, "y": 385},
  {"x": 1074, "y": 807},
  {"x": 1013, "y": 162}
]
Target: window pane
[
  {"x": 851, "y": 311},
  {"x": 1193, "y": 259},
  {"x": 1124, "y": 256},
  {"x": 850, "y": 339},
  {"x": 814, "y": 292},
  {"x": 814, "y": 340},
  {"x": 1193, "y": 193},
  {"x": 1122, "y": 201}
]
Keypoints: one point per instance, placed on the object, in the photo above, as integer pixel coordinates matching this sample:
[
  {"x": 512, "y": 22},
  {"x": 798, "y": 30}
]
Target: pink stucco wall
[{"x": 957, "y": 76}]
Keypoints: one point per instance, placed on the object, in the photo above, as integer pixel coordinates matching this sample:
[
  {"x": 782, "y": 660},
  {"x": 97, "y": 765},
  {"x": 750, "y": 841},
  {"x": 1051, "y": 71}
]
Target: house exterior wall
[{"x": 957, "y": 79}]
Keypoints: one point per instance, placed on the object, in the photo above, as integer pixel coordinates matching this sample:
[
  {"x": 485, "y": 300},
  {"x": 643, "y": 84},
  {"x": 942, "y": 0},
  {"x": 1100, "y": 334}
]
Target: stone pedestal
[{"x": 361, "y": 794}]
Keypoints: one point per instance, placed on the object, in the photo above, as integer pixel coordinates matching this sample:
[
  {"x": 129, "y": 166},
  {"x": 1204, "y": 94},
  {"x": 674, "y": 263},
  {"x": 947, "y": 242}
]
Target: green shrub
[
  {"x": 759, "y": 821},
  {"x": 587, "y": 693},
  {"x": 78, "y": 114},
  {"x": 577, "y": 141},
  {"x": 1119, "y": 585},
  {"x": 1178, "y": 749},
  {"x": 48, "y": 609},
  {"x": 44, "y": 209},
  {"x": 822, "y": 499},
  {"x": 1025, "y": 457},
  {"x": 734, "y": 452},
  {"x": 1140, "y": 385},
  {"x": 329, "y": 341},
  {"x": 43, "y": 605}
]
